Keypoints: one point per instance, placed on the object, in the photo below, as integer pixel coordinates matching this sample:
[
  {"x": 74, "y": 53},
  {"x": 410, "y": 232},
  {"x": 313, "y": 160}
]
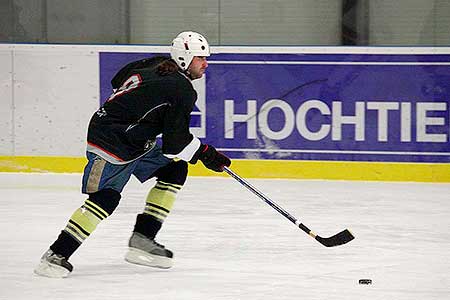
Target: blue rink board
[{"x": 393, "y": 107}]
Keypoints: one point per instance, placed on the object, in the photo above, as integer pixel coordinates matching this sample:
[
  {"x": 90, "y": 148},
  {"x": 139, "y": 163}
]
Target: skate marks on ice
[{"x": 230, "y": 245}]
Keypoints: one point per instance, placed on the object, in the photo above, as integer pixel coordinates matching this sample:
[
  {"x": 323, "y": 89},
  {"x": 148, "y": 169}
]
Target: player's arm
[
  {"x": 207, "y": 154},
  {"x": 179, "y": 143}
]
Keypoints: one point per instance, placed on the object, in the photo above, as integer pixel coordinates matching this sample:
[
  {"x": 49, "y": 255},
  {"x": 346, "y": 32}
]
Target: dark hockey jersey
[{"x": 144, "y": 104}]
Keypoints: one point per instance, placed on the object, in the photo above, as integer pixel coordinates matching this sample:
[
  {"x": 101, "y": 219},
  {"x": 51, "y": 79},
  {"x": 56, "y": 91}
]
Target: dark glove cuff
[{"x": 198, "y": 153}]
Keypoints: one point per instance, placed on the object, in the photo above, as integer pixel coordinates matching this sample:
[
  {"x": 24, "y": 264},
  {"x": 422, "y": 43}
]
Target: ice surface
[{"x": 228, "y": 244}]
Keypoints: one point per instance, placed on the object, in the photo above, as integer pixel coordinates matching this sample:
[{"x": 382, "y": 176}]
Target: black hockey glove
[{"x": 211, "y": 158}]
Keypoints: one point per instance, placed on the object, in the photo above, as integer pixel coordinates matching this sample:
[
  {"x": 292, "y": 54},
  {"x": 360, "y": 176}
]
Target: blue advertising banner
[{"x": 338, "y": 107}]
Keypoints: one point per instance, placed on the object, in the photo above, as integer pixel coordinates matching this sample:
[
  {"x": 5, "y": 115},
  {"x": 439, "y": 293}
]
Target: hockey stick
[{"x": 340, "y": 238}]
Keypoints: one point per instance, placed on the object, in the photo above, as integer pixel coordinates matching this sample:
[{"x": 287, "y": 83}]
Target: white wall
[
  {"x": 6, "y": 103},
  {"x": 53, "y": 91}
]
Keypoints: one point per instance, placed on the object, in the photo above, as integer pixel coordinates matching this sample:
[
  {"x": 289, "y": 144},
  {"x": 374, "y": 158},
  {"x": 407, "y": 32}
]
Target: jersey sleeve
[{"x": 178, "y": 142}]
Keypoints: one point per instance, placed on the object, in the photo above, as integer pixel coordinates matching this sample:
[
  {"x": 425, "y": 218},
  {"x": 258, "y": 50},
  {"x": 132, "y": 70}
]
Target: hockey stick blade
[{"x": 340, "y": 238}]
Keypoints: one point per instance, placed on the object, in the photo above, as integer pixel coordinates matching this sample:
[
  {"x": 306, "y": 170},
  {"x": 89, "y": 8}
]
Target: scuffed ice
[{"x": 230, "y": 245}]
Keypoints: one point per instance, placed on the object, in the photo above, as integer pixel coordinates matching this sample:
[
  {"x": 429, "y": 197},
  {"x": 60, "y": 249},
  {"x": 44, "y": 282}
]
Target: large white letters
[
  {"x": 330, "y": 122},
  {"x": 302, "y": 127},
  {"x": 357, "y": 120},
  {"x": 423, "y": 121},
  {"x": 263, "y": 119},
  {"x": 249, "y": 118},
  {"x": 383, "y": 109}
]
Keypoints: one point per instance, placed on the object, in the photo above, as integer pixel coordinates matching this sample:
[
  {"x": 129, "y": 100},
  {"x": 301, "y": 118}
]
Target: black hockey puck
[{"x": 365, "y": 281}]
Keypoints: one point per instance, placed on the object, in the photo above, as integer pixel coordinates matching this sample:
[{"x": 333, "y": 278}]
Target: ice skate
[
  {"x": 147, "y": 252},
  {"x": 53, "y": 265}
]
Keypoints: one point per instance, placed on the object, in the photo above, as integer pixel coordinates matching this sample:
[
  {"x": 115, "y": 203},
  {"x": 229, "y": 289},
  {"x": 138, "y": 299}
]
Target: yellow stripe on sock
[
  {"x": 167, "y": 187},
  {"x": 76, "y": 234},
  {"x": 85, "y": 219},
  {"x": 163, "y": 198},
  {"x": 176, "y": 186},
  {"x": 98, "y": 209},
  {"x": 155, "y": 214}
]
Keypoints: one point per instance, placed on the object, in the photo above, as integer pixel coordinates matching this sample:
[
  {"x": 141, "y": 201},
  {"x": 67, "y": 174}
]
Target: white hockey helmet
[{"x": 187, "y": 45}]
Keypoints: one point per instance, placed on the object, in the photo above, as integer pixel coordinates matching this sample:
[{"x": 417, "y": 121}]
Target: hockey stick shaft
[{"x": 338, "y": 239}]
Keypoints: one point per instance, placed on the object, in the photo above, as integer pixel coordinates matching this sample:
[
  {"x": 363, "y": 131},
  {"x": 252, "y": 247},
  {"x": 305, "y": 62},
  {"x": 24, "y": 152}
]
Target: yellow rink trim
[
  {"x": 420, "y": 172},
  {"x": 42, "y": 164}
]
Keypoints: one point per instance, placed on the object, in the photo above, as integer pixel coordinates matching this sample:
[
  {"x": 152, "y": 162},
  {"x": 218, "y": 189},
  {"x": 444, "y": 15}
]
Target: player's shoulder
[
  {"x": 178, "y": 81},
  {"x": 181, "y": 90},
  {"x": 142, "y": 67}
]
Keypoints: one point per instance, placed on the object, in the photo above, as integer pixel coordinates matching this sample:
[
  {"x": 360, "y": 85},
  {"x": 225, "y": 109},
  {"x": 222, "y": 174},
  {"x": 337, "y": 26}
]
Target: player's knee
[
  {"x": 107, "y": 199},
  {"x": 175, "y": 172}
]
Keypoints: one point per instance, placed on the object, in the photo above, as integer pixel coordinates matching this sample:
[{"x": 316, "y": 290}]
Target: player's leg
[
  {"x": 143, "y": 249},
  {"x": 103, "y": 182}
]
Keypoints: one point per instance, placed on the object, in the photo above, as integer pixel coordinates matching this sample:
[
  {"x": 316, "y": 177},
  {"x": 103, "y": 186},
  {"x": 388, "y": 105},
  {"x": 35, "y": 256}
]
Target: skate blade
[
  {"x": 46, "y": 269},
  {"x": 139, "y": 257}
]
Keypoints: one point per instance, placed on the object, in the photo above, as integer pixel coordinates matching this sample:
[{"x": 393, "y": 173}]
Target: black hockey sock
[
  {"x": 147, "y": 225},
  {"x": 65, "y": 245}
]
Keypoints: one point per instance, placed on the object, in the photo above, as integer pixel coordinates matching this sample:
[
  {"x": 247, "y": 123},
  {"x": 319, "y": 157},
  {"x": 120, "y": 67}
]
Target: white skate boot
[
  {"x": 53, "y": 265},
  {"x": 147, "y": 252}
]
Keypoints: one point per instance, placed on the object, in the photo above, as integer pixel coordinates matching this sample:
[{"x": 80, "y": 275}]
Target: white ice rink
[{"x": 228, "y": 244}]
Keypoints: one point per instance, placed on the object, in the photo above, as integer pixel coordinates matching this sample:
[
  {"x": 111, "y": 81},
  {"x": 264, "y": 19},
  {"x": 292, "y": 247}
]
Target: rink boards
[
  {"x": 380, "y": 171},
  {"x": 315, "y": 112}
]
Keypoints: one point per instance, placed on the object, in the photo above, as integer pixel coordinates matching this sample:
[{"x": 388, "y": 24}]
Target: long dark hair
[{"x": 164, "y": 66}]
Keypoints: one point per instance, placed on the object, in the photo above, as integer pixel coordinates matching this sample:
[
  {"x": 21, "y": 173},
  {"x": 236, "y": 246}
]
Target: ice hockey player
[{"x": 150, "y": 97}]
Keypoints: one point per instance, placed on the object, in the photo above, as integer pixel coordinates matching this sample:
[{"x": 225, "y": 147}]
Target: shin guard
[
  {"x": 160, "y": 199},
  {"x": 159, "y": 202},
  {"x": 85, "y": 220}
]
